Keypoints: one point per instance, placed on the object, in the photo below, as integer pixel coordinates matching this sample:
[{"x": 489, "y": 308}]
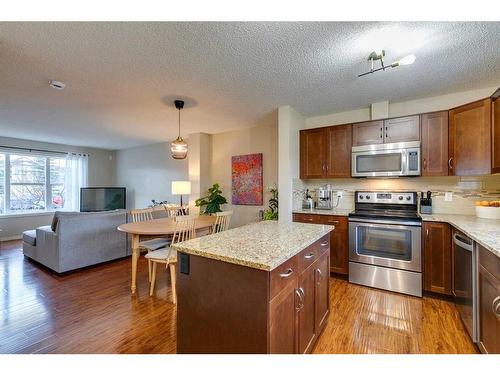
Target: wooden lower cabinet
[
  {"x": 437, "y": 262},
  {"x": 298, "y": 314},
  {"x": 489, "y": 301},
  {"x": 339, "y": 238}
]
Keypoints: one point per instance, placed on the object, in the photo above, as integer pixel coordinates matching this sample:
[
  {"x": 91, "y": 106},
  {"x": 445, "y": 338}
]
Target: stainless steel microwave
[{"x": 386, "y": 160}]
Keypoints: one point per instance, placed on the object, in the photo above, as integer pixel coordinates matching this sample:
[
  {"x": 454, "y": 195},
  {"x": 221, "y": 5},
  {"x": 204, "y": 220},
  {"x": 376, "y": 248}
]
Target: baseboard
[{"x": 11, "y": 238}]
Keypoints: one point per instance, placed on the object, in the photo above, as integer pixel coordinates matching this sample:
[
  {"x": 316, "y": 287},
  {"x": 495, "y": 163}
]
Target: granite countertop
[
  {"x": 486, "y": 232},
  {"x": 335, "y": 211},
  {"x": 264, "y": 245}
]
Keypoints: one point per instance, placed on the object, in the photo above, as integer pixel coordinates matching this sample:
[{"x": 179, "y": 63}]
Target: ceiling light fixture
[
  {"x": 374, "y": 56},
  {"x": 58, "y": 85},
  {"x": 179, "y": 147}
]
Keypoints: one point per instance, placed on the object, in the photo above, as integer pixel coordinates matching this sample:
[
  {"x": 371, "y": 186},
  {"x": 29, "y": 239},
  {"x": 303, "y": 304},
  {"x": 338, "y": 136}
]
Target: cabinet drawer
[
  {"x": 489, "y": 261},
  {"x": 313, "y": 252},
  {"x": 306, "y": 218},
  {"x": 282, "y": 275}
]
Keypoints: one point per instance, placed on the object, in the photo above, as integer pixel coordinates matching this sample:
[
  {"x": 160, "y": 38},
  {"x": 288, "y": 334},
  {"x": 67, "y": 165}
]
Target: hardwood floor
[{"x": 92, "y": 311}]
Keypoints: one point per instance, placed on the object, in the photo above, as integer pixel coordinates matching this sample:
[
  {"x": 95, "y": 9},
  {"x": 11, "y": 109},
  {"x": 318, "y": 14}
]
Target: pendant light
[{"x": 179, "y": 147}]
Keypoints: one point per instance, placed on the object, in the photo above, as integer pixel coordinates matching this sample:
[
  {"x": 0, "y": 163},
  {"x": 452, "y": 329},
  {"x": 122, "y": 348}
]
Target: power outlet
[
  {"x": 339, "y": 194},
  {"x": 448, "y": 196}
]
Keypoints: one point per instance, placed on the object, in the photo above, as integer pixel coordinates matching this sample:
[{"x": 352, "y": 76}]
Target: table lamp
[{"x": 180, "y": 188}]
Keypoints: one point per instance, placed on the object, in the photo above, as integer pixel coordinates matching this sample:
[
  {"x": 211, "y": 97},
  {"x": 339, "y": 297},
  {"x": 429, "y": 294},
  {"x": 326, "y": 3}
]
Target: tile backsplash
[{"x": 465, "y": 190}]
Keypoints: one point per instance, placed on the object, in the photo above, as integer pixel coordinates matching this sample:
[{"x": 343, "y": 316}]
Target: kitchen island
[{"x": 260, "y": 288}]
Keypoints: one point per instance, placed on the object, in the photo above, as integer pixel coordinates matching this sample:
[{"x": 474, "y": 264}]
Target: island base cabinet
[
  {"x": 229, "y": 308},
  {"x": 489, "y": 302}
]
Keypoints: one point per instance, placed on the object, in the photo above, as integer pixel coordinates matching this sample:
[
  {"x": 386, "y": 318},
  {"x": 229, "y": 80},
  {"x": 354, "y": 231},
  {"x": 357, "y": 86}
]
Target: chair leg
[
  {"x": 153, "y": 279},
  {"x": 149, "y": 270},
  {"x": 173, "y": 281}
]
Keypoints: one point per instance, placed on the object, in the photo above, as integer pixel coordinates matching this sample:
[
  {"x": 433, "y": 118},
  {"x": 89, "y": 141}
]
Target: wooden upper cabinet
[
  {"x": 312, "y": 153},
  {"x": 339, "y": 141},
  {"x": 368, "y": 133},
  {"x": 469, "y": 144},
  {"x": 437, "y": 272},
  {"x": 402, "y": 129},
  {"x": 435, "y": 144},
  {"x": 495, "y": 147}
]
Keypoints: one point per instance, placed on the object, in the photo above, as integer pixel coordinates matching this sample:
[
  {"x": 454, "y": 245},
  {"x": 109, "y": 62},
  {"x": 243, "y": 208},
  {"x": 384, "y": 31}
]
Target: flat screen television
[{"x": 95, "y": 199}]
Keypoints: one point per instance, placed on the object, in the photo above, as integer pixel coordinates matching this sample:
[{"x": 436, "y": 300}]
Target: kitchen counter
[
  {"x": 264, "y": 245},
  {"x": 315, "y": 211},
  {"x": 486, "y": 232}
]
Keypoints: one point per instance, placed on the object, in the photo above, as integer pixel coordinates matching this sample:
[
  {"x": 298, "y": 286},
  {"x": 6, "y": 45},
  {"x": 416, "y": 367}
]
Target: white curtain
[{"x": 76, "y": 177}]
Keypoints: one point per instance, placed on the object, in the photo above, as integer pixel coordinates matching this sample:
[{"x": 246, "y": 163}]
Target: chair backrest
[
  {"x": 222, "y": 220},
  {"x": 184, "y": 228},
  {"x": 173, "y": 211},
  {"x": 141, "y": 214}
]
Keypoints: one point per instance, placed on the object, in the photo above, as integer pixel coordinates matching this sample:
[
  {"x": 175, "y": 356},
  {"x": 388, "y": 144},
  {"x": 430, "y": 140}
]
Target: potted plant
[
  {"x": 272, "y": 212},
  {"x": 211, "y": 203}
]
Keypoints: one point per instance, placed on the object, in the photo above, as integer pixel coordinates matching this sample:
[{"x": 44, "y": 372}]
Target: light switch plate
[{"x": 448, "y": 196}]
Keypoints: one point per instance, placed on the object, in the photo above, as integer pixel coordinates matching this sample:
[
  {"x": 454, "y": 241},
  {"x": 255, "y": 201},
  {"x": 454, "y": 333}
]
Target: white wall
[
  {"x": 147, "y": 172},
  {"x": 258, "y": 139},
  {"x": 101, "y": 173},
  {"x": 289, "y": 123}
]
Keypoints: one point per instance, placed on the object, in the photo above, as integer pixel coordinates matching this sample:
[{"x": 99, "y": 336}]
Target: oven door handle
[
  {"x": 389, "y": 222},
  {"x": 458, "y": 240}
]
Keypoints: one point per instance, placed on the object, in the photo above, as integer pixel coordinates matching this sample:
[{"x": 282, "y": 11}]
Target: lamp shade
[{"x": 181, "y": 187}]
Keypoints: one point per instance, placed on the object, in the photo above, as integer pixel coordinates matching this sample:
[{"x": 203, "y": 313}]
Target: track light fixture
[{"x": 374, "y": 56}]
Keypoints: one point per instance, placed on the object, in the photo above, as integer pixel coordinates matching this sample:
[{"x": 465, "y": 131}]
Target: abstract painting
[{"x": 247, "y": 180}]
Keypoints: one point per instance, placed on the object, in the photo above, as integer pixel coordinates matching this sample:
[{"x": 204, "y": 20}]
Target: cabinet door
[
  {"x": 338, "y": 161},
  {"x": 339, "y": 243},
  {"x": 367, "y": 133},
  {"x": 495, "y": 147},
  {"x": 306, "y": 327},
  {"x": 437, "y": 257},
  {"x": 489, "y": 312},
  {"x": 470, "y": 139},
  {"x": 435, "y": 144},
  {"x": 283, "y": 321},
  {"x": 403, "y": 129},
  {"x": 313, "y": 153},
  {"x": 322, "y": 293}
]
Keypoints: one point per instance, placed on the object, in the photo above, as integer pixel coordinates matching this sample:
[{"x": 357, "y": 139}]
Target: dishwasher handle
[{"x": 464, "y": 243}]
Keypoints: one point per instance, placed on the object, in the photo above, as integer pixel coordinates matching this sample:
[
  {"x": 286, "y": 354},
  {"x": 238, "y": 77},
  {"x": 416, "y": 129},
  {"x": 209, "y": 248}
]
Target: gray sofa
[{"x": 80, "y": 239}]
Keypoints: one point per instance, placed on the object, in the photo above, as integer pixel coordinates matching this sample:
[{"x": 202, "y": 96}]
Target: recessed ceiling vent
[{"x": 58, "y": 85}]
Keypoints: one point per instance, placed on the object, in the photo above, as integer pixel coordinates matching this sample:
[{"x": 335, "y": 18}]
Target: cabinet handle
[
  {"x": 287, "y": 273},
  {"x": 427, "y": 232},
  {"x": 324, "y": 243},
  {"x": 495, "y": 307},
  {"x": 298, "y": 304},
  {"x": 308, "y": 219},
  {"x": 425, "y": 164},
  {"x": 309, "y": 256},
  {"x": 450, "y": 162},
  {"x": 381, "y": 132},
  {"x": 332, "y": 221},
  {"x": 319, "y": 273}
]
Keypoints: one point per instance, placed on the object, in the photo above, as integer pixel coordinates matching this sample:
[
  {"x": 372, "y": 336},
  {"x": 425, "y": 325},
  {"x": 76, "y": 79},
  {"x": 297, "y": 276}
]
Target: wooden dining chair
[
  {"x": 154, "y": 244},
  {"x": 173, "y": 211},
  {"x": 184, "y": 230},
  {"x": 222, "y": 220}
]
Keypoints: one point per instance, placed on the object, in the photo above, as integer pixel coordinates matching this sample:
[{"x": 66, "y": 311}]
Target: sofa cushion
[{"x": 29, "y": 236}]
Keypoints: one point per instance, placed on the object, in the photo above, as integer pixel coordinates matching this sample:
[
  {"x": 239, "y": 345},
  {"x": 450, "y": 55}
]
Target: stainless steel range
[{"x": 385, "y": 242}]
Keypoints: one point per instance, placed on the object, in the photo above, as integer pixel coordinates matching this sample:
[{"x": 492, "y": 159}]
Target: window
[{"x": 31, "y": 183}]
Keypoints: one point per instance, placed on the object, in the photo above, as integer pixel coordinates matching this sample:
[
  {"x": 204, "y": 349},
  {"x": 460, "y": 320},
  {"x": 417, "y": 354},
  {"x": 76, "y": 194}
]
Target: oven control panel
[{"x": 386, "y": 197}]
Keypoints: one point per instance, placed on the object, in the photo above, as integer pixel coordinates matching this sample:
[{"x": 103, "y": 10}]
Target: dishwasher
[{"x": 465, "y": 293}]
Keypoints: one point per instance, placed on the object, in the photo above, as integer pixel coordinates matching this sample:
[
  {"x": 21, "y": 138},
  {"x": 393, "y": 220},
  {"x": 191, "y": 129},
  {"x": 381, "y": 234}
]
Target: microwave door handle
[{"x": 404, "y": 162}]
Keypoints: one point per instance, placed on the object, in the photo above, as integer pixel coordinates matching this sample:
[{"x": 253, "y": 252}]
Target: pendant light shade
[{"x": 179, "y": 147}]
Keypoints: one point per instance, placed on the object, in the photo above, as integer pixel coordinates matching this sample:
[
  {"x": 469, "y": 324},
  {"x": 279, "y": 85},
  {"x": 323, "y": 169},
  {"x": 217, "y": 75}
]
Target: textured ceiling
[{"x": 122, "y": 77}]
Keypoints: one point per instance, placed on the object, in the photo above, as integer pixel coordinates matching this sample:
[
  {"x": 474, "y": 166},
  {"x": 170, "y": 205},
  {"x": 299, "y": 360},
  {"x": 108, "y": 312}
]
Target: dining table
[{"x": 162, "y": 227}]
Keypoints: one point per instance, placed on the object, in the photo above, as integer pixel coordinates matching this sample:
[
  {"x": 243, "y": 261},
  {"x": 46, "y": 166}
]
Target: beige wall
[
  {"x": 102, "y": 168},
  {"x": 259, "y": 139}
]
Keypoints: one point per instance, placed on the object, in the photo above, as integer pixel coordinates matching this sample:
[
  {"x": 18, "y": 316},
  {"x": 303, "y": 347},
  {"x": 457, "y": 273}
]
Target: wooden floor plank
[{"x": 92, "y": 311}]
